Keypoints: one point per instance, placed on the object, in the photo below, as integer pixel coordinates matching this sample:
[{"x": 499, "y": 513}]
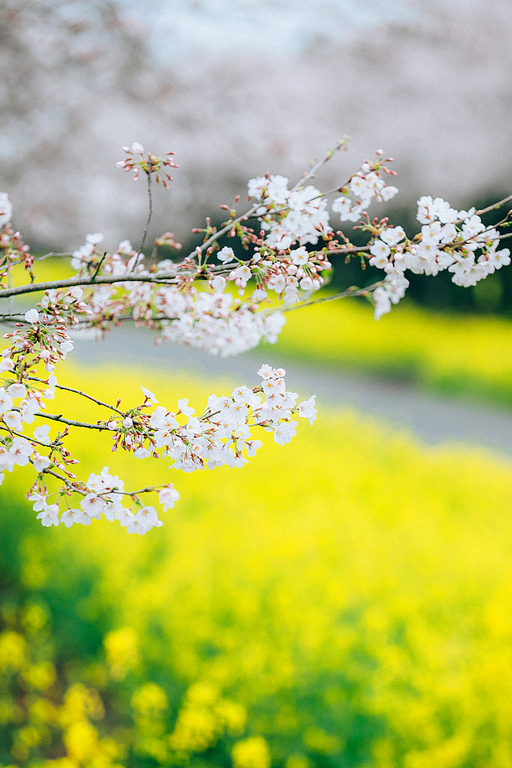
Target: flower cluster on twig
[{"x": 224, "y": 300}]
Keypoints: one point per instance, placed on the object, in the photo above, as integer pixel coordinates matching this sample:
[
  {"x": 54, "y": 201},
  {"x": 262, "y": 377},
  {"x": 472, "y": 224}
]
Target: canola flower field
[
  {"x": 340, "y": 601},
  {"x": 459, "y": 354}
]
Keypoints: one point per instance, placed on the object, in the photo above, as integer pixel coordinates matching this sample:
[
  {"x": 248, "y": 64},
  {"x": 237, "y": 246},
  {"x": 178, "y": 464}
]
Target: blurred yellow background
[{"x": 342, "y": 600}]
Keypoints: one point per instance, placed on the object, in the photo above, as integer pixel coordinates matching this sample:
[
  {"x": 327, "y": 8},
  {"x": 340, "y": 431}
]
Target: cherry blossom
[
  {"x": 5, "y": 209},
  {"x": 223, "y": 300}
]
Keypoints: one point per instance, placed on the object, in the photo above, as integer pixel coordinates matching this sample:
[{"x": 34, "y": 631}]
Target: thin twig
[
  {"x": 50, "y": 255},
  {"x": 504, "y": 237},
  {"x": 227, "y": 228},
  {"x": 348, "y": 292},
  {"x": 150, "y": 214},
  {"x": 148, "y": 489},
  {"x": 312, "y": 172},
  {"x": 495, "y": 205},
  {"x": 11, "y": 300},
  {"x": 79, "y": 392},
  {"x": 164, "y": 278},
  {"x": 99, "y": 266},
  {"x": 64, "y": 480},
  {"x": 350, "y": 249},
  {"x": 30, "y": 439},
  {"x": 70, "y": 422},
  {"x": 12, "y": 316}
]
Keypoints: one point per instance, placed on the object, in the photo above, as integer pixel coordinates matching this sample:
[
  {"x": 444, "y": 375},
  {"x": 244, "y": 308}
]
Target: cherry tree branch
[
  {"x": 71, "y": 422},
  {"x": 494, "y": 205},
  {"x": 227, "y": 228},
  {"x": 353, "y": 291},
  {"x": 79, "y": 392},
  {"x": 64, "y": 480},
  {"x": 70, "y": 282},
  {"x": 89, "y": 397},
  {"x": 150, "y": 213},
  {"x": 312, "y": 172}
]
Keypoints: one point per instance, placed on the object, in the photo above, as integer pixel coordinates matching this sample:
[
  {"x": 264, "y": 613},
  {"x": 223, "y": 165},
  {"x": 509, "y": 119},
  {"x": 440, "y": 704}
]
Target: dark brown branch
[
  {"x": 70, "y": 282},
  {"x": 70, "y": 422},
  {"x": 348, "y": 292}
]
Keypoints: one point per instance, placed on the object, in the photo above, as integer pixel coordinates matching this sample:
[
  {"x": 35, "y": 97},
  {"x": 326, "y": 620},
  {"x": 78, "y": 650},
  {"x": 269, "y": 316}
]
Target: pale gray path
[{"x": 434, "y": 418}]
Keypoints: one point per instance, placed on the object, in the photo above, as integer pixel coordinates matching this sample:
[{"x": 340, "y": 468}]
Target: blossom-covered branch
[{"x": 224, "y": 300}]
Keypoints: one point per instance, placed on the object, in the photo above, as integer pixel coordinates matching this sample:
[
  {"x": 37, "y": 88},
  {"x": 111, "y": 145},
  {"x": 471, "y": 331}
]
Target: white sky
[{"x": 272, "y": 28}]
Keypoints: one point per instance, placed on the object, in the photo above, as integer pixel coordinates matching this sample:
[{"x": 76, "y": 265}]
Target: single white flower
[
  {"x": 307, "y": 409},
  {"x": 71, "y": 516},
  {"x": 17, "y": 390},
  {"x": 32, "y": 316},
  {"x": 252, "y": 446},
  {"x": 392, "y": 235},
  {"x": 241, "y": 275},
  {"x": 13, "y": 420},
  {"x": 306, "y": 284},
  {"x": 382, "y": 302},
  {"x": 95, "y": 238},
  {"x": 92, "y": 505},
  {"x": 49, "y": 516},
  {"x": 218, "y": 283},
  {"x": 5, "y": 401},
  {"x": 300, "y": 256},
  {"x": 388, "y": 192},
  {"x": 6, "y": 364},
  {"x": 42, "y": 434},
  {"x": 20, "y": 451},
  {"x": 380, "y": 249},
  {"x": 5, "y": 209},
  {"x": 76, "y": 292},
  {"x": 185, "y": 408},
  {"x": 29, "y": 407},
  {"x": 361, "y": 189},
  {"x": 285, "y": 431},
  {"x": 41, "y": 463},
  {"x": 150, "y": 396},
  {"x": 39, "y": 501},
  {"x": 225, "y": 254}
]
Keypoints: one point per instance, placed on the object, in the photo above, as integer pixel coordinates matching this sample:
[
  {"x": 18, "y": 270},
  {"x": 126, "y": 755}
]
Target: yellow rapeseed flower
[{"x": 251, "y": 753}]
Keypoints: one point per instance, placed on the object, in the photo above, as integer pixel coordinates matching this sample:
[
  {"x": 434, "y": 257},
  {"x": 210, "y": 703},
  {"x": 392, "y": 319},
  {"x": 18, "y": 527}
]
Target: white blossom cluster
[
  {"x": 211, "y": 323},
  {"x": 299, "y": 214},
  {"x": 44, "y": 342},
  {"x": 454, "y": 240},
  {"x": 223, "y": 433},
  {"x": 221, "y": 436},
  {"x": 293, "y": 275},
  {"x": 103, "y": 496},
  {"x": 364, "y": 187},
  {"x": 214, "y": 322},
  {"x": 194, "y": 302},
  {"x": 5, "y": 209}
]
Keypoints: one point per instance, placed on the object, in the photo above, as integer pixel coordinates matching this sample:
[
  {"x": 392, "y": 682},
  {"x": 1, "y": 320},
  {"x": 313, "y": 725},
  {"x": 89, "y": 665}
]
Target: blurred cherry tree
[{"x": 427, "y": 80}]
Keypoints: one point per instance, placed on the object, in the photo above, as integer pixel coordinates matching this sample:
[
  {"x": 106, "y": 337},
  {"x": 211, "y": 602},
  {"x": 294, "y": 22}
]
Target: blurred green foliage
[{"x": 464, "y": 355}]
